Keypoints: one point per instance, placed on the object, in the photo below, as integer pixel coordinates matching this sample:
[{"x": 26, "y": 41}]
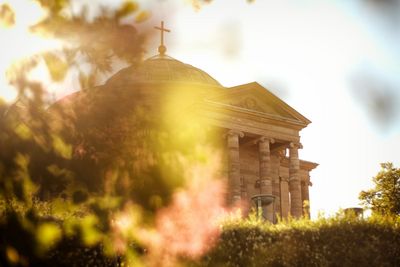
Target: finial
[{"x": 162, "y": 49}]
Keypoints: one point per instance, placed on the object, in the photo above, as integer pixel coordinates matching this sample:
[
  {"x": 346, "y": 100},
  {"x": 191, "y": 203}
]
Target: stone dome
[{"x": 162, "y": 69}]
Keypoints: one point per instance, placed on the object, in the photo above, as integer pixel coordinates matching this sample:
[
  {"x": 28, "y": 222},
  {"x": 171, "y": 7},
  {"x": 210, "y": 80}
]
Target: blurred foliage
[
  {"x": 76, "y": 179},
  {"x": 7, "y": 16},
  {"x": 197, "y": 4},
  {"x": 91, "y": 39},
  {"x": 50, "y": 196},
  {"x": 378, "y": 96},
  {"x": 384, "y": 198},
  {"x": 80, "y": 177}
]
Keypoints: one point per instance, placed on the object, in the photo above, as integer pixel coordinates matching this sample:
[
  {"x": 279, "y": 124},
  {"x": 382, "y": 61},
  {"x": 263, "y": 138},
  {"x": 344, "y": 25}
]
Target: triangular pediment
[{"x": 253, "y": 97}]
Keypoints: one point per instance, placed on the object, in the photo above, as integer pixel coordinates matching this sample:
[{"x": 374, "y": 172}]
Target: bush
[{"x": 339, "y": 241}]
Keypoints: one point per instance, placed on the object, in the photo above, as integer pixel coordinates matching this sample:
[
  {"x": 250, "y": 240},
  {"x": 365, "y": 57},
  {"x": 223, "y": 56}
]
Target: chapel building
[{"x": 261, "y": 132}]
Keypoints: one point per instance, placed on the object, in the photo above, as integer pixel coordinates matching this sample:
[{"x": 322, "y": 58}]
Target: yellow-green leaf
[
  {"x": 142, "y": 16},
  {"x": 7, "y": 16},
  {"x": 47, "y": 235},
  {"x": 61, "y": 148},
  {"x": 127, "y": 8},
  {"x": 90, "y": 234},
  {"x": 57, "y": 67},
  {"x": 23, "y": 131}
]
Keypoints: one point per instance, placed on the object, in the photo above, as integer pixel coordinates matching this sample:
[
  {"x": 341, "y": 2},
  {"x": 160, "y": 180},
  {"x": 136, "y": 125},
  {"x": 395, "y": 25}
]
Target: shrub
[{"x": 339, "y": 241}]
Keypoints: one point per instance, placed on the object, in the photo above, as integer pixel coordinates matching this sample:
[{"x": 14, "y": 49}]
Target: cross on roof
[{"x": 162, "y": 49}]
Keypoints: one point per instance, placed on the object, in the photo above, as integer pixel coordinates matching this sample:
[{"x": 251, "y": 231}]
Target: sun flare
[{"x": 19, "y": 43}]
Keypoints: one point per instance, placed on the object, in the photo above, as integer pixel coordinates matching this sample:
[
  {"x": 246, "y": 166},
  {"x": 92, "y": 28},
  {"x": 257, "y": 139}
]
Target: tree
[{"x": 384, "y": 198}]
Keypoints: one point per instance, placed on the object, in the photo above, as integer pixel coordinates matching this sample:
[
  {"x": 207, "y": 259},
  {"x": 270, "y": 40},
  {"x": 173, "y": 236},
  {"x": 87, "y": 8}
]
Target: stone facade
[{"x": 266, "y": 146}]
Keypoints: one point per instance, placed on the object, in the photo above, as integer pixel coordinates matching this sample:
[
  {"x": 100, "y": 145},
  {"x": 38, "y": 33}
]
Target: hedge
[{"x": 324, "y": 242}]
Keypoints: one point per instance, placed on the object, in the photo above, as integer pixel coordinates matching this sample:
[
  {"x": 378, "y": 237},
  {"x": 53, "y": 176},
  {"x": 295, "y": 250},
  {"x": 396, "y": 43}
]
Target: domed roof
[{"x": 162, "y": 69}]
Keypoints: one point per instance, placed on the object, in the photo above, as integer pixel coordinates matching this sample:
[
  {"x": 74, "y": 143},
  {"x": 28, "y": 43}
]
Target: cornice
[
  {"x": 304, "y": 164},
  {"x": 258, "y": 116}
]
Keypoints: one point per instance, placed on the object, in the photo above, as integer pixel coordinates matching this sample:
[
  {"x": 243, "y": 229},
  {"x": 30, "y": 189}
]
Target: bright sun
[{"x": 17, "y": 42}]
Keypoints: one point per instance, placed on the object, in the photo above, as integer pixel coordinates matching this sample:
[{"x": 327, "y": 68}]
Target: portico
[{"x": 262, "y": 144}]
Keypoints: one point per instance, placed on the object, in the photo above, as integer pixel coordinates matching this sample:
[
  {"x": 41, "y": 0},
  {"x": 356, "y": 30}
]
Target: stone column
[
  {"x": 265, "y": 181},
  {"x": 234, "y": 165},
  {"x": 296, "y": 205},
  {"x": 284, "y": 187},
  {"x": 275, "y": 162},
  {"x": 285, "y": 201},
  {"x": 305, "y": 196}
]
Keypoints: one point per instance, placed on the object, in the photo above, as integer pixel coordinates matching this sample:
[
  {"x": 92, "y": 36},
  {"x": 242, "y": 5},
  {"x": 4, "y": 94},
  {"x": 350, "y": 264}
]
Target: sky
[{"x": 336, "y": 62}]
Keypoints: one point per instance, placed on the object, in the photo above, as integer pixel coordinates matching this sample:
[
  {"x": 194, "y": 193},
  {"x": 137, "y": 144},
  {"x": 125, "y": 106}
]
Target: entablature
[{"x": 251, "y": 125}]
